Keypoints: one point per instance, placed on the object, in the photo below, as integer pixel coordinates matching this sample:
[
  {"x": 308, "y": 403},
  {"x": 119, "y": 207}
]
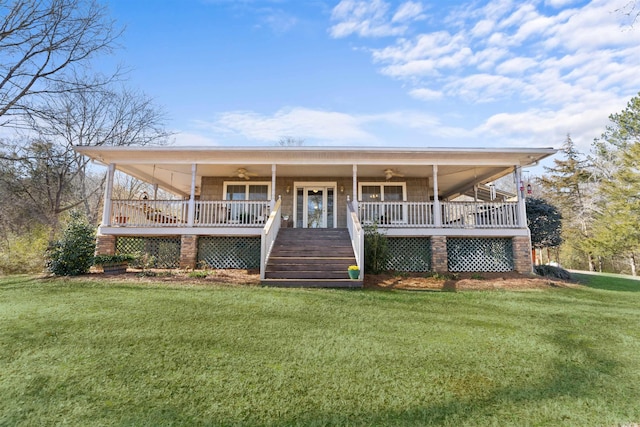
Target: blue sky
[{"x": 382, "y": 73}]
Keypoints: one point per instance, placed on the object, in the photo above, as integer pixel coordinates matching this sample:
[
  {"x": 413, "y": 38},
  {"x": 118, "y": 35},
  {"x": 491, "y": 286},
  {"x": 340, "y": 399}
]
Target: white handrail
[
  {"x": 149, "y": 213},
  {"x": 269, "y": 235},
  {"x": 356, "y": 232}
]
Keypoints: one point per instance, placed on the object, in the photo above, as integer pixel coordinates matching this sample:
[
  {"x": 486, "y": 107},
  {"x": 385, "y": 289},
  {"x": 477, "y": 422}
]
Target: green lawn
[{"x": 85, "y": 353}]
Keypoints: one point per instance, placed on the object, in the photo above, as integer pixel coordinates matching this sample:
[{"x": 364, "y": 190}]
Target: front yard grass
[{"x": 76, "y": 352}]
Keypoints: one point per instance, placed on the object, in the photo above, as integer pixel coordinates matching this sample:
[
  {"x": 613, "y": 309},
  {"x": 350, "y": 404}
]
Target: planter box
[
  {"x": 118, "y": 268},
  {"x": 354, "y": 274}
]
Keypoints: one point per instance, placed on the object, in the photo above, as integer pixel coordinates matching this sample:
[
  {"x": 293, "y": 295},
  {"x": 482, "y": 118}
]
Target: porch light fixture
[
  {"x": 288, "y": 190},
  {"x": 342, "y": 188}
]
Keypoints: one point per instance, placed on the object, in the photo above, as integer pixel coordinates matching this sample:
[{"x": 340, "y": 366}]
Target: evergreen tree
[
  {"x": 569, "y": 186},
  {"x": 617, "y": 155}
]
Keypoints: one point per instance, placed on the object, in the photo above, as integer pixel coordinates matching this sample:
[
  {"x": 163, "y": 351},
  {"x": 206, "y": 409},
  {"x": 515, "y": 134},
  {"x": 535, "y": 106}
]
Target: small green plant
[
  {"x": 477, "y": 276},
  {"x": 198, "y": 274},
  {"x": 73, "y": 254},
  {"x": 146, "y": 273}
]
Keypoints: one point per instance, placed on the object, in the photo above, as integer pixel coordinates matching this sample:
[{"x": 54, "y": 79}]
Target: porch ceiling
[{"x": 458, "y": 169}]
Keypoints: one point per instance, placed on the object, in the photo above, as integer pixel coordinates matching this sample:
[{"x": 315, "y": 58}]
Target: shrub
[
  {"x": 114, "y": 259},
  {"x": 551, "y": 271},
  {"x": 73, "y": 254},
  {"x": 24, "y": 253},
  {"x": 376, "y": 250}
]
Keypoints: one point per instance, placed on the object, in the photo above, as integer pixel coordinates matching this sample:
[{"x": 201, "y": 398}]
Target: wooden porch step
[
  {"x": 311, "y": 258},
  {"x": 313, "y": 283}
]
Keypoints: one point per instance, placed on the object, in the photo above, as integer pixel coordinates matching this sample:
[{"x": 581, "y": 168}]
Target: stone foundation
[
  {"x": 188, "y": 251},
  {"x": 105, "y": 245},
  {"x": 522, "y": 255},
  {"x": 439, "y": 259}
]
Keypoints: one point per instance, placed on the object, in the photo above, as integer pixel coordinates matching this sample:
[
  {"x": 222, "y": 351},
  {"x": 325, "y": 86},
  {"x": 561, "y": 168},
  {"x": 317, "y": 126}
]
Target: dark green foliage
[
  {"x": 551, "y": 271},
  {"x": 376, "y": 250},
  {"x": 114, "y": 259},
  {"x": 545, "y": 223},
  {"x": 73, "y": 254}
]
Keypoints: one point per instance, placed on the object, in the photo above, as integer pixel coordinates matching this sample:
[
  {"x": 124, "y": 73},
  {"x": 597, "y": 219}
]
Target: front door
[
  {"x": 316, "y": 214},
  {"x": 315, "y": 206}
]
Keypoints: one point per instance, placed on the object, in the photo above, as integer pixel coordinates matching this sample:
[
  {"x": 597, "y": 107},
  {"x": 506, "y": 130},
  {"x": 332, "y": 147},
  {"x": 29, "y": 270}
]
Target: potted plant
[
  {"x": 114, "y": 264},
  {"x": 354, "y": 272}
]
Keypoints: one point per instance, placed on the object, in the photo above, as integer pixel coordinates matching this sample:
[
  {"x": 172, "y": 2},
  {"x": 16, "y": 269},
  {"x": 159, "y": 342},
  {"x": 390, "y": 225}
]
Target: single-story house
[{"x": 300, "y": 213}]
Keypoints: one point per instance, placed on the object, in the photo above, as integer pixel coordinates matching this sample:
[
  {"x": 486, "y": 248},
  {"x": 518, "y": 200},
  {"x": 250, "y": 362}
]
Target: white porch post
[
  {"x": 273, "y": 186},
  {"x": 522, "y": 209},
  {"x": 192, "y": 197},
  {"x": 108, "y": 191},
  {"x": 354, "y": 196},
  {"x": 437, "y": 214}
]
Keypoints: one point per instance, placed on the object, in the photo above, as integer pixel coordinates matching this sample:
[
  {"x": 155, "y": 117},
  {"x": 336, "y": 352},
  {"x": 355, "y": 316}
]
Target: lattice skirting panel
[
  {"x": 483, "y": 254},
  {"x": 229, "y": 252},
  {"x": 156, "y": 252},
  {"x": 409, "y": 254}
]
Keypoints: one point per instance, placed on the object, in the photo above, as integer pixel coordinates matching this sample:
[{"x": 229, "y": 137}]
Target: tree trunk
[
  {"x": 592, "y": 266},
  {"x": 632, "y": 262}
]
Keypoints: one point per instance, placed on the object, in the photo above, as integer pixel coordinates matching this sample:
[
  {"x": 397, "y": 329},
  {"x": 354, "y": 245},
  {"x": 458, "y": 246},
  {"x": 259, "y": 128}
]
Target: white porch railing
[
  {"x": 174, "y": 213},
  {"x": 454, "y": 214},
  {"x": 237, "y": 213},
  {"x": 357, "y": 237},
  {"x": 149, "y": 213},
  {"x": 397, "y": 214},
  {"x": 269, "y": 235},
  {"x": 480, "y": 215}
]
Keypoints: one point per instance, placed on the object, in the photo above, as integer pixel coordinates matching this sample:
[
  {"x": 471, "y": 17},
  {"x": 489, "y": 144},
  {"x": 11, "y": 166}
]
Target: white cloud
[
  {"x": 426, "y": 94},
  {"x": 327, "y": 127},
  {"x": 372, "y": 18},
  {"x": 547, "y": 127},
  {"x": 301, "y": 122},
  {"x": 408, "y": 11}
]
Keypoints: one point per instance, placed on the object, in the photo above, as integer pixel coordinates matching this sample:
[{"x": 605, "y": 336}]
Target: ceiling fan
[
  {"x": 390, "y": 173},
  {"x": 242, "y": 173}
]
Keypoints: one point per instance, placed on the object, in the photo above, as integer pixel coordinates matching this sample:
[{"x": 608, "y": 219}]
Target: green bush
[
  {"x": 73, "y": 254},
  {"x": 551, "y": 271},
  {"x": 114, "y": 259},
  {"x": 376, "y": 250},
  {"x": 24, "y": 253}
]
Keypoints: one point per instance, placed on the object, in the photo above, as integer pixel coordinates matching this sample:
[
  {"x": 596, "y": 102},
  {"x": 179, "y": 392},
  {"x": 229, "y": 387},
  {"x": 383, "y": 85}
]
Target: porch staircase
[{"x": 311, "y": 257}]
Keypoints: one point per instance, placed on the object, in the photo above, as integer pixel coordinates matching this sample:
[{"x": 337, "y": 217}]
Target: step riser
[{"x": 313, "y": 283}]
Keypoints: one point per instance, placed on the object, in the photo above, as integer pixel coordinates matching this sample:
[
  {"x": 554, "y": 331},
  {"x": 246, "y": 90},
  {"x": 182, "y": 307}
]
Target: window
[
  {"x": 247, "y": 213},
  {"x": 382, "y": 202},
  {"x": 383, "y": 192},
  {"x": 246, "y": 191}
]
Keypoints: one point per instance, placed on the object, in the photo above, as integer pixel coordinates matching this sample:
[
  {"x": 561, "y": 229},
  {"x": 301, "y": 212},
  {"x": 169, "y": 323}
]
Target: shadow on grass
[
  {"x": 607, "y": 282},
  {"x": 580, "y": 373}
]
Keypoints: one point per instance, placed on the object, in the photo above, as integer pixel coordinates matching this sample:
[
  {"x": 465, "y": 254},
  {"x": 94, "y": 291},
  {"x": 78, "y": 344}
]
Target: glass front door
[
  {"x": 316, "y": 212},
  {"x": 314, "y": 207}
]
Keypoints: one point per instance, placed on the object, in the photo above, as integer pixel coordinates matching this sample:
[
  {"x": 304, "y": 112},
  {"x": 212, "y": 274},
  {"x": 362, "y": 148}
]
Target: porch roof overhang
[{"x": 458, "y": 168}]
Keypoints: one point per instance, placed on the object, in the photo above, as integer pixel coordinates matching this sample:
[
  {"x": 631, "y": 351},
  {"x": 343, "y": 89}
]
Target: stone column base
[
  {"x": 188, "y": 251},
  {"x": 105, "y": 245},
  {"x": 522, "y": 255},
  {"x": 439, "y": 258}
]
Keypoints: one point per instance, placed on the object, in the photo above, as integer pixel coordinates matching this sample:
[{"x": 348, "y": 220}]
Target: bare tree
[
  {"x": 44, "y": 44},
  {"x": 97, "y": 116},
  {"x": 290, "y": 141}
]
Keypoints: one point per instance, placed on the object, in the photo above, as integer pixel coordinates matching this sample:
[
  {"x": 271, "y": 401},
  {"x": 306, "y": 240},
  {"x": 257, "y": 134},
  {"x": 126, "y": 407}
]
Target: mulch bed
[{"x": 389, "y": 281}]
